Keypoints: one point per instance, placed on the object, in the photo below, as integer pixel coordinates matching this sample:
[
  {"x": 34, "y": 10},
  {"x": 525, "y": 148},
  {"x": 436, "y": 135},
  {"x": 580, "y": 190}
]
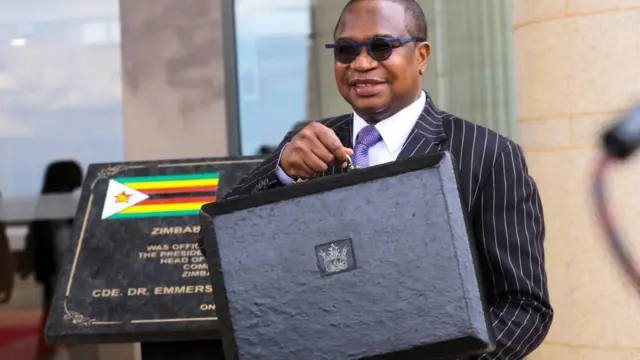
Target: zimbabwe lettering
[{"x": 175, "y": 230}]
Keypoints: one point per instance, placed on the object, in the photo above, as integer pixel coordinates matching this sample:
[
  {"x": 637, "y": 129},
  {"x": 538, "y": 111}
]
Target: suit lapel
[
  {"x": 343, "y": 129},
  {"x": 427, "y": 135}
]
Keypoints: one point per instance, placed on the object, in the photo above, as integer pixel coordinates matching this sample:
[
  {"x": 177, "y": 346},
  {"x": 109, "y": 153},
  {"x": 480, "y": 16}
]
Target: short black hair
[{"x": 416, "y": 21}]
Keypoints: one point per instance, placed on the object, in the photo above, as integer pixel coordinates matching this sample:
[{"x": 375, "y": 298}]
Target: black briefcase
[{"x": 376, "y": 263}]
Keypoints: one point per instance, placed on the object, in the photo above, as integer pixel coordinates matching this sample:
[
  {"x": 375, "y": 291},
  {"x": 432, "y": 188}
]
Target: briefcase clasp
[{"x": 350, "y": 166}]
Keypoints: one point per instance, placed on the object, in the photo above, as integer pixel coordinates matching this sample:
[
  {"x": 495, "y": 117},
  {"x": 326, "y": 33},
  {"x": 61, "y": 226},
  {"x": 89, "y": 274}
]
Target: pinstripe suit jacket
[{"x": 505, "y": 212}]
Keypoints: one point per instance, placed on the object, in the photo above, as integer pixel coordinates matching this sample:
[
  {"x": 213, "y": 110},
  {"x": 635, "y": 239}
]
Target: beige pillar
[
  {"x": 173, "y": 88},
  {"x": 173, "y": 79},
  {"x": 577, "y": 67}
]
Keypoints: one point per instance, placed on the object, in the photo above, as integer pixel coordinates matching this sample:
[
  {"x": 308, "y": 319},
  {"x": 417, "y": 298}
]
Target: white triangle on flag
[{"x": 111, "y": 203}]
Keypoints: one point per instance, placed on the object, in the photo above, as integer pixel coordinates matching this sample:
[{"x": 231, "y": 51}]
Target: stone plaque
[
  {"x": 133, "y": 272},
  {"x": 377, "y": 263}
]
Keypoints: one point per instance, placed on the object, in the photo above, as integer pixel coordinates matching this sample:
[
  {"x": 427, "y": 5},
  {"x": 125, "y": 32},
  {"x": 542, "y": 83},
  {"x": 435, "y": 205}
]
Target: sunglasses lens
[
  {"x": 381, "y": 49},
  {"x": 346, "y": 52}
]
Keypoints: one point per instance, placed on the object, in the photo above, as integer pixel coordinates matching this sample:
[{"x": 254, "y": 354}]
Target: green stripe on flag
[
  {"x": 152, "y": 178},
  {"x": 155, "y": 214}
]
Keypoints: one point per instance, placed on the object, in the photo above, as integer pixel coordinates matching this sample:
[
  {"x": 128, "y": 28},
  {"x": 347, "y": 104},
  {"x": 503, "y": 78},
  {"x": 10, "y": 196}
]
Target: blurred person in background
[
  {"x": 6, "y": 263},
  {"x": 47, "y": 240}
]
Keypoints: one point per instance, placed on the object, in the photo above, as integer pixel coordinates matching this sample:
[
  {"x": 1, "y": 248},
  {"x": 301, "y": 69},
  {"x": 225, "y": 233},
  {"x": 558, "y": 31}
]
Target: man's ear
[{"x": 424, "y": 50}]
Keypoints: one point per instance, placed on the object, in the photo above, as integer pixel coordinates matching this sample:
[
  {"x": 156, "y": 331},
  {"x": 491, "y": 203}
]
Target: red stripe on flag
[
  {"x": 181, "y": 200},
  {"x": 183, "y": 190}
]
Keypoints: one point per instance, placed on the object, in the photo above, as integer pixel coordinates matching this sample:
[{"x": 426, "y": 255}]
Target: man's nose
[{"x": 364, "y": 61}]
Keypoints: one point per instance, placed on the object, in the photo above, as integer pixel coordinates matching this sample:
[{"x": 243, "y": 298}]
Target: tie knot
[{"x": 368, "y": 136}]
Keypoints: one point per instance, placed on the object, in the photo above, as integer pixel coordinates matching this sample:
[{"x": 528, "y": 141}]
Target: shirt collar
[{"x": 396, "y": 129}]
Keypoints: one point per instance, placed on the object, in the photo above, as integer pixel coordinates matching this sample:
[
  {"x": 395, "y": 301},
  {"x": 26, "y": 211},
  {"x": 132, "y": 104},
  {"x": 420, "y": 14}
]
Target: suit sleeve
[
  {"x": 511, "y": 232},
  {"x": 263, "y": 177}
]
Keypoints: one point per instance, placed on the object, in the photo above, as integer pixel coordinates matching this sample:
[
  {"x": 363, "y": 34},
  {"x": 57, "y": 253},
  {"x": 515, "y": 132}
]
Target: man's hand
[{"x": 312, "y": 151}]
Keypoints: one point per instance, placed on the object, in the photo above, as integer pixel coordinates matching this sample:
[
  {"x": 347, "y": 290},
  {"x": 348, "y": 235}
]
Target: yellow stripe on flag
[
  {"x": 137, "y": 209},
  {"x": 172, "y": 184}
]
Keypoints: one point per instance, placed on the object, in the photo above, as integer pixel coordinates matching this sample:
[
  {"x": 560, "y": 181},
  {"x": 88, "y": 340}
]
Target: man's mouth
[
  {"x": 363, "y": 81},
  {"x": 367, "y": 87}
]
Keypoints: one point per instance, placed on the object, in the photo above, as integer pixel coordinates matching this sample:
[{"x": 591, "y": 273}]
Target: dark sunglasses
[{"x": 379, "y": 48}]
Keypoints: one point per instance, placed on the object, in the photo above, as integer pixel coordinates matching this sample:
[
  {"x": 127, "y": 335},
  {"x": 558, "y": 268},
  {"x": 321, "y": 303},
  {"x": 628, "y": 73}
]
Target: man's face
[{"x": 379, "y": 89}]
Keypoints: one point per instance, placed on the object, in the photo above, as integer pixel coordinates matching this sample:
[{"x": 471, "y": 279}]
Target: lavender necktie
[{"x": 366, "y": 138}]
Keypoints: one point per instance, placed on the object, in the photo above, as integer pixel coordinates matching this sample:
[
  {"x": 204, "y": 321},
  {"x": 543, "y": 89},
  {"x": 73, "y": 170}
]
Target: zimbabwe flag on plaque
[{"x": 159, "y": 196}]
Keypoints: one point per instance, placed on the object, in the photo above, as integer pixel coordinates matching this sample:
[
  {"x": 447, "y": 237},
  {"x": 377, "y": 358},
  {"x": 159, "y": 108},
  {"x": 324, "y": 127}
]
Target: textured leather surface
[{"x": 414, "y": 286}]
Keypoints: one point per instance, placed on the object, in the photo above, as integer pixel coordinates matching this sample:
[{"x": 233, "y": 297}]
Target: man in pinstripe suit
[{"x": 381, "y": 54}]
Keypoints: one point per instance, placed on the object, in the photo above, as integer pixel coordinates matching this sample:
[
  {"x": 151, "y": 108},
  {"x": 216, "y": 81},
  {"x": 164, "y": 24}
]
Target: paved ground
[
  {"x": 19, "y": 322},
  {"x": 18, "y": 334}
]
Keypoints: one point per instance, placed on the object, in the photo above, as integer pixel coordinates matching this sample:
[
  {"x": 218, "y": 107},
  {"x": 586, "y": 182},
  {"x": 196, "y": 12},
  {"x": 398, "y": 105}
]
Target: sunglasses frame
[{"x": 359, "y": 44}]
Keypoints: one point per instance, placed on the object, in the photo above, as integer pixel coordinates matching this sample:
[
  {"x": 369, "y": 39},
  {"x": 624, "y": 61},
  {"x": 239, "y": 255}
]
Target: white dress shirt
[{"x": 394, "y": 132}]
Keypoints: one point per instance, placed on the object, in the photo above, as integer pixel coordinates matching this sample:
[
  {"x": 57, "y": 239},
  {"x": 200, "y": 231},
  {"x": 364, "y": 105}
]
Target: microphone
[
  {"x": 619, "y": 142},
  {"x": 623, "y": 138}
]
